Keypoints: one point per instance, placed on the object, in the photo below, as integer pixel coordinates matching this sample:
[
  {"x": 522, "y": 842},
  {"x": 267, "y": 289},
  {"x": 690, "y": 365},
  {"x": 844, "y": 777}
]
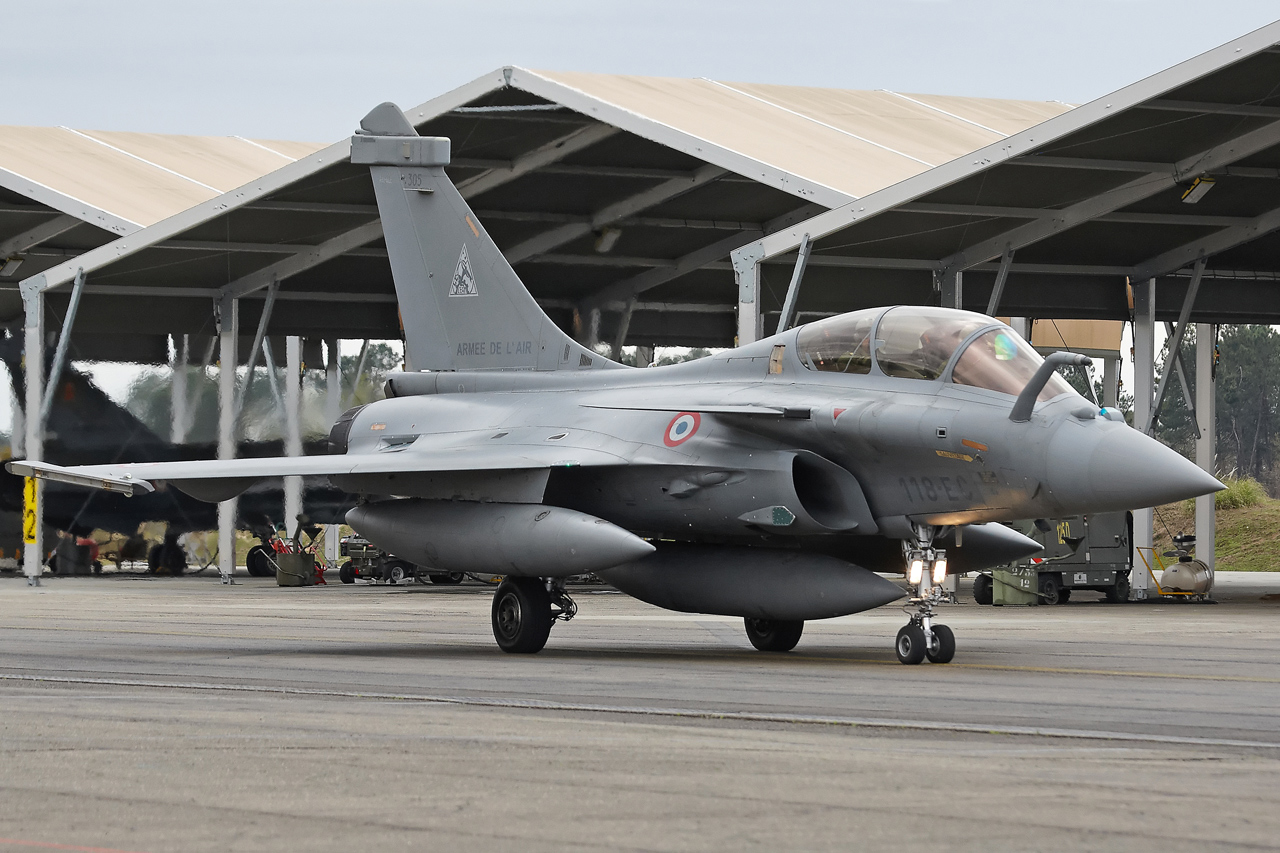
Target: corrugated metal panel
[
  {"x": 852, "y": 141},
  {"x": 138, "y": 177}
]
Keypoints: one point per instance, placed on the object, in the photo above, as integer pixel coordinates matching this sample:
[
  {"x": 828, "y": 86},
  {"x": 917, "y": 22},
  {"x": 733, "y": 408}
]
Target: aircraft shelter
[
  {"x": 618, "y": 200},
  {"x": 1156, "y": 203}
]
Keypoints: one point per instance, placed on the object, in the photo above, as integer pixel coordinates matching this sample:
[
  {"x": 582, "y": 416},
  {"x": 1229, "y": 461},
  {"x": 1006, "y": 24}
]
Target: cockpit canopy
[{"x": 912, "y": 342}]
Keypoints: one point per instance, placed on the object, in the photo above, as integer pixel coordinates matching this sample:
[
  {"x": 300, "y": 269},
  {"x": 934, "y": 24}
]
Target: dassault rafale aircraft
[{"x": 771, "y": 482}]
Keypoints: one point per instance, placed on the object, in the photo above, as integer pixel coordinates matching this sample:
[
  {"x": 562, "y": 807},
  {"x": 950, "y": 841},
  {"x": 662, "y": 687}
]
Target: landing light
[
  {"x": 940, "y": 569},
  {"x": 915, "y": 567}
]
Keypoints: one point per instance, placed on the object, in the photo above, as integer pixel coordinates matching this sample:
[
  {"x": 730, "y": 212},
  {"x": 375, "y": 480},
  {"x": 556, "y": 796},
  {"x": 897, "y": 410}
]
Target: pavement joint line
[
  {"x": 1050, "y": 670},
  {"x": 681, "y": 713}
]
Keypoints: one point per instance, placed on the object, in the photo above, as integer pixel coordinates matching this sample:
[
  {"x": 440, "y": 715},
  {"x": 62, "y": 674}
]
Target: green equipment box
[{"x": 1083, "y": 552}]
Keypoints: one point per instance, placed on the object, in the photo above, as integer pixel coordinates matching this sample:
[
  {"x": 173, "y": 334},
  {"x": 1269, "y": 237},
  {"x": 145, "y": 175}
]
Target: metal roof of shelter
[
  {"x": 64, "y": 192},
  {"x": 1069, "y": 212},
  {"x": 604, "y": 191}
]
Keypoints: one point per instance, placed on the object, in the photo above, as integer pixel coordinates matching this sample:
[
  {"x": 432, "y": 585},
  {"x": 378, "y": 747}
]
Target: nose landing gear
[{"x": 926, "y": 569}]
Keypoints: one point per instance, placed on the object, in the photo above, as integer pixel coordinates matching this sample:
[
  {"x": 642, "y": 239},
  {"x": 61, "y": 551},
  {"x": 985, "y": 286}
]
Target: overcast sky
[{"x": 309, "y": 69}]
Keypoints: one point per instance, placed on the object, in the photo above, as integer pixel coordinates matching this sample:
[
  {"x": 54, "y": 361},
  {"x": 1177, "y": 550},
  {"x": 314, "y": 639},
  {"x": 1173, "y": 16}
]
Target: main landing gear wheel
[
  {"x": 943, "y": 647},
  {"x": 522, "y": 615},
  {"x": 911, "y": 644},
  {"x": 773, "y": 636}
]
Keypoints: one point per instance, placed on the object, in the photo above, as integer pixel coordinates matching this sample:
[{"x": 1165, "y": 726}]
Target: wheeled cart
[{"x": 1081, "y": 553}]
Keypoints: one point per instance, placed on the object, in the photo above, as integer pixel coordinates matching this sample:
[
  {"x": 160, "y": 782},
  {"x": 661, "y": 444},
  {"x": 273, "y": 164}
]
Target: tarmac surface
[{"x": 148, "y": 714}]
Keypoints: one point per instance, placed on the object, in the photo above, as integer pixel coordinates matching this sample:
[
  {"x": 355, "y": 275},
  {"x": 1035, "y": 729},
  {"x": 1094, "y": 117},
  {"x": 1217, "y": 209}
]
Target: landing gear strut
[
  {"x": 524, "y": 610},
  {"x": 926, "y": 569}
]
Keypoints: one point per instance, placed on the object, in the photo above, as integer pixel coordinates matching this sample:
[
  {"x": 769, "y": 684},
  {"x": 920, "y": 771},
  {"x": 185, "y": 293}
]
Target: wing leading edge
[{"x": 222, "y": 479}]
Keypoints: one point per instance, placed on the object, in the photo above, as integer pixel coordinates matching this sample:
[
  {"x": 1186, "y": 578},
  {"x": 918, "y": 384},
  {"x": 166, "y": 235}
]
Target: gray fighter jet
[{"x": 771, "y": 482}]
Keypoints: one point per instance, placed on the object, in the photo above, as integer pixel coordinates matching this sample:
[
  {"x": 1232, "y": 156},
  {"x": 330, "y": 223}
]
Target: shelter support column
[
  {"x": 33, "y": 361},
  {"x": 178, "y": 405},
  {"x": 333, "y": 410},
  {"x": 951, "y": 287},
  {"x": 1110, "y": 381},
  {"x": 746, "y": 271},
  {"x": 292, "y": 429},
  {"x": 228, "y": 310},
  {"x": 1144, "y": 381},
  {"x": 1207, "y": 444},
  {"x": 18, "y": 430}
]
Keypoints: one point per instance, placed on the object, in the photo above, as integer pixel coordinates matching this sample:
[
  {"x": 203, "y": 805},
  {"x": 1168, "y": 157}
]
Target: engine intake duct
[{"x": 758, "y": 583}]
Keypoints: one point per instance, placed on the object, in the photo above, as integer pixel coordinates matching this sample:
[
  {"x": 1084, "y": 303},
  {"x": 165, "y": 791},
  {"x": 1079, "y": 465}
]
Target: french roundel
[{"x": 682, "y": 428}]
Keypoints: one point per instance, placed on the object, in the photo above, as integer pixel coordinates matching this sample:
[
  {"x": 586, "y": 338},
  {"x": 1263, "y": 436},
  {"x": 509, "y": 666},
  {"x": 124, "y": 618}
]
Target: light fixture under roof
[{"x": 9, "y": 266}]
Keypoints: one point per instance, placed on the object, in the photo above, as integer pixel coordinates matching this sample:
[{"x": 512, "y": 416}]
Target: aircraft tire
[
  {"x": 910, "y": 645},
  {"x": 258, "y": 563},
  {"x": 944, "y": 645},
  {"x": 447, "y": 578},
  {"x": 982, "y": 589},
  {"x": 153, "y": 557},
  {"x": 772, "y": 636},
  {"x": 1050, "y": 590},
  {"x": 347, "y": 572},
  {"x": 1119, "y": 593},
  {"x": 521, "y": 615}
]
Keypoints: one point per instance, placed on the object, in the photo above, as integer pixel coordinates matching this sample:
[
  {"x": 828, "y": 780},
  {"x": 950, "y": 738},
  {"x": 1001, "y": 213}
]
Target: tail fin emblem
[{"x": 464, "y": 281}]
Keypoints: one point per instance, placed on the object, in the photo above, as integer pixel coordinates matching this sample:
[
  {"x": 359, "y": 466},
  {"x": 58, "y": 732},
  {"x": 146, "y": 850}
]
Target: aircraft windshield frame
[
  {"x": 997, "y": 359},
  {"x": 919, "y": 342},
  {"x": 925, "y": 343}
]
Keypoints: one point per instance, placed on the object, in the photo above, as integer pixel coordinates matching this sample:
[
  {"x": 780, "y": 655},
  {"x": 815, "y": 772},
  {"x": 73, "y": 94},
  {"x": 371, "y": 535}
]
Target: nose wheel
[{"x": 921, "y": 638}]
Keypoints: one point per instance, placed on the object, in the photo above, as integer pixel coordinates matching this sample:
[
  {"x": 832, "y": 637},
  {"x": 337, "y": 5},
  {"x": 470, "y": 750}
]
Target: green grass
[{"x": 1248, "y": 527}]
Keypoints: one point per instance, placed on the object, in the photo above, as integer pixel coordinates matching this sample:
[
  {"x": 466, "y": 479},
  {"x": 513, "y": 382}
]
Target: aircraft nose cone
[{"x": 1118, "y": 468}]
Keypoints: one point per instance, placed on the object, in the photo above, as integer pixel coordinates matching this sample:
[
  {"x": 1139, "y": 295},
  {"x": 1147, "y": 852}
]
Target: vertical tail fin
[{"x": 462, "y": 305}]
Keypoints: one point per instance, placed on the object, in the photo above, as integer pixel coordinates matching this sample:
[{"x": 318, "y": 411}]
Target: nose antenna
[{"x": 1027, "y": 399}]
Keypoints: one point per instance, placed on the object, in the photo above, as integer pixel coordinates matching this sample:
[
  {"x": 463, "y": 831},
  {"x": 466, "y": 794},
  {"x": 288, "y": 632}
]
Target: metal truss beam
[
  {"x": 1212, "y": 244},
  {"x": 638, "y": 172},
  {"x": 1113, "y": 199},
  {"x": 612, "y": 214},
  {"x": 304, "y": 260},
  {"x": 543, "y": 155},
  {"x": 621, "y": 260},
  {"x": 1056, "y": 162},
  {"x": 314, "y": 207},
  {"x": 1172, "y": 359},
  {"x": 260, "y": 248},
  {"x": 36, "y": 235},
  {"x": 631, "y": 221},
  {"x": 1125, "y": 217},
  {"x": 1210, "y": 107},
  {"x": 707, "y": 256}
]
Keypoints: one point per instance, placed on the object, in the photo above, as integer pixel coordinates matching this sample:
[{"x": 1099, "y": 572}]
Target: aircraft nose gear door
[{"x": 926, "y": 570}]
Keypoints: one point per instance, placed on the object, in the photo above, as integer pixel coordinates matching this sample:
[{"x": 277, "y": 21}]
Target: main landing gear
[
  {"x": 926, "y": 570},
  {"x": 524, "y": 610}
]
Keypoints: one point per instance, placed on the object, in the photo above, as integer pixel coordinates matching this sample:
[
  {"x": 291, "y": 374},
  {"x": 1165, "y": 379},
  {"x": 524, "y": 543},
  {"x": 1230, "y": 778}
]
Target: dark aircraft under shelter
[{"x": 87, "y": 427}]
